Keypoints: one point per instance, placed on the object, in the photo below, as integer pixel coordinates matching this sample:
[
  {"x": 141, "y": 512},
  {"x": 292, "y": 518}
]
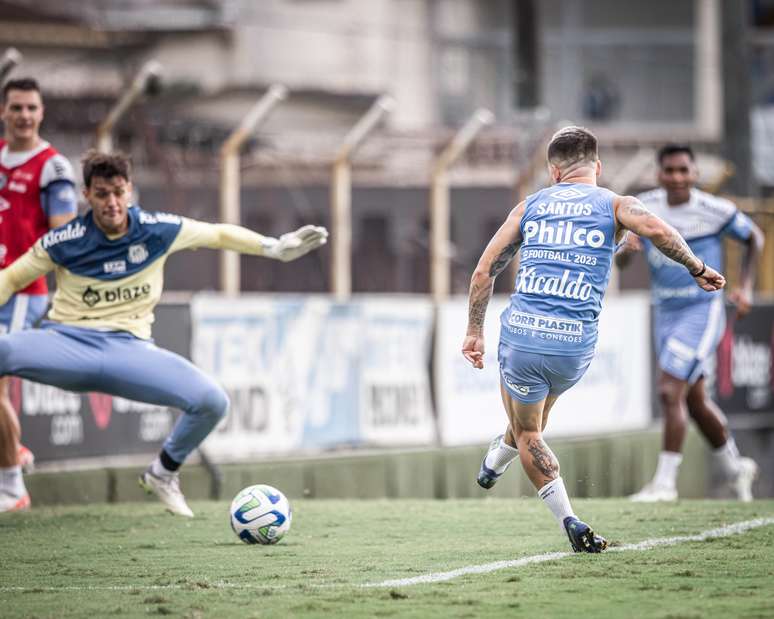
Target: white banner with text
[{"x": 305, "y": 373}]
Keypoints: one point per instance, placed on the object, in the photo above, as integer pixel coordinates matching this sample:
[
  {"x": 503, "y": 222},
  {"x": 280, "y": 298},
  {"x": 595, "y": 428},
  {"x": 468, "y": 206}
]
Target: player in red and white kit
[{"x": 37, "y": 192}]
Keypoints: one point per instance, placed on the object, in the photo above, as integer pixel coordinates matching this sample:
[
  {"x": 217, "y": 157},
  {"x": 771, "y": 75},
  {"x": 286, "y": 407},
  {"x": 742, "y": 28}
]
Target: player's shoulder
[
  {"x": 156, "y": 219},
  {"x": 69, "y": 233},
  {"x": 56, "y": 167},
  {"x": 160, "y": 225},
  {"x": 653, "y": 197},
  {"x": 714, "y": 206}
]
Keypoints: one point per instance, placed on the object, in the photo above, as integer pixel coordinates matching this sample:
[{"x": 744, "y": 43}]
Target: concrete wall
[{"x": 615, "y": 465}]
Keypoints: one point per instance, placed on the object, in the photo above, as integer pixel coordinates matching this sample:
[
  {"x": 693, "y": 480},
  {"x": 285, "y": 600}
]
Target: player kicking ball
[
  {"x": 566, "y": 235},
  {"x": 109, "y": 267}
]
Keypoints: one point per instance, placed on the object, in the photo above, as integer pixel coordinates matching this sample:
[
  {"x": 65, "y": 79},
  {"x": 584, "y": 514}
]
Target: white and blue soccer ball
[{"x": 260, "y": 515}]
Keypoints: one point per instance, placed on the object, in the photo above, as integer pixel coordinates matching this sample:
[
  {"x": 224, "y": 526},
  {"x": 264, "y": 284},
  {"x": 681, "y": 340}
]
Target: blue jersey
[
  {"x": 568, "y": 233},
  {"x": 702, "y": 221}
]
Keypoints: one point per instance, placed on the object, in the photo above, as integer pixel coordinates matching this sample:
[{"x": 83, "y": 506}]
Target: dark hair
[
  {"x": 674, "y": 149},
  {"x": 23, "y": 83},
  {"x": 572, "y": 145},
  {"x": 105, "y": 165}
]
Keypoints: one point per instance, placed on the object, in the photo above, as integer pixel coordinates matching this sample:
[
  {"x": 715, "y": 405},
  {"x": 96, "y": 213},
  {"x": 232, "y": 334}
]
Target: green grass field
[{"x": 134, "y": 560}]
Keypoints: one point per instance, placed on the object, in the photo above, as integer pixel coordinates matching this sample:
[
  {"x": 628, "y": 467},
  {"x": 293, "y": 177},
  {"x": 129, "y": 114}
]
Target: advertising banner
[
  {"x": 612, "y": 396},
  {"x": 304, "y": 373},
  {"x": 59, "y": 425},
  {"x": 743, "y": 380}
]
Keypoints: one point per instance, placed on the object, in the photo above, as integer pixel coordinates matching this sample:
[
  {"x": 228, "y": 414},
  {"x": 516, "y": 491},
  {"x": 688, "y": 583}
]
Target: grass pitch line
[{"x": 648, "y": 544}]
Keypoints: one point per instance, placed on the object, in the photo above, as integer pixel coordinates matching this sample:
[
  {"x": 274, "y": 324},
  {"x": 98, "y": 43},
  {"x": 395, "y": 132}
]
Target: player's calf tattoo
[{"x": 543, "y": 458}]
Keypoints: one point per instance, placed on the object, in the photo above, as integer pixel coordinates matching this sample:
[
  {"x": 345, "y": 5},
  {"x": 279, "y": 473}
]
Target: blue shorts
[
  {"x": 530, "y": 377},
  {"x": 686, "y": 338},
  {"x": 117, "y": 363},
  {"x": 22, "y": 311}
]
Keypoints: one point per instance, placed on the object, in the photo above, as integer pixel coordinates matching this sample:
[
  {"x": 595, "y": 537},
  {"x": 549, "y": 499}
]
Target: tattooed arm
[
  {"x": 632, "y": 215},
  {"x": 498, "y": 253}
]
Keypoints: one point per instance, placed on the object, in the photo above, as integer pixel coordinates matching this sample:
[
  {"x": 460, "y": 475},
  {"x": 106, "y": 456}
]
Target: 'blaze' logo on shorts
[{"x": 111, "y": 295}]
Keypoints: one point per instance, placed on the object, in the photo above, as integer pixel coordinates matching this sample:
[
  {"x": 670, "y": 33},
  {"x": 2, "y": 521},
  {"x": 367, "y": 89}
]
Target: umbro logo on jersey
[{"x": 569, "y": 193}]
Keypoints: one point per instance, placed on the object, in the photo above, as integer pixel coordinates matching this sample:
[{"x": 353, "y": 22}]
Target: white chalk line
[
  {"x": 648, "y": 544},
  {"x": 736, "y": 528}
]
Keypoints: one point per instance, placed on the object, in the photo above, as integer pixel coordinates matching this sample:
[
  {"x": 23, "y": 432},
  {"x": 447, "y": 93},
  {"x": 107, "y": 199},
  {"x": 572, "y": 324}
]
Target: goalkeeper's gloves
[{"x": 295, "y": 244}]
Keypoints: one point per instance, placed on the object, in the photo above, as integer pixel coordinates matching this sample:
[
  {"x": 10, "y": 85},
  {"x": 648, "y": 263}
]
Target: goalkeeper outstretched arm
[
  {"x": 195, "y": 234},
  {"x": 25, "y": 270}
]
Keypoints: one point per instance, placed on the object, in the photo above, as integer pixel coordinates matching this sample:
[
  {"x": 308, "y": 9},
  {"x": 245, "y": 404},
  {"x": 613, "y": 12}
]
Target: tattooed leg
[{"x": 538, "y": 461}]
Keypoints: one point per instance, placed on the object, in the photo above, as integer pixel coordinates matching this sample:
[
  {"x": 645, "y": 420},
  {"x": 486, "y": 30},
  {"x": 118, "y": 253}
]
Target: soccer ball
[{"x": 260, "y": 515}]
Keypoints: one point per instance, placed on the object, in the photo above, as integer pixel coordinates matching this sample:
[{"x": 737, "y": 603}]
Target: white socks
[
  {"x": 158, "y": 469},
  {"x": 554, "y": 495},
  {"x": 727, "y": 459},
  {"x": 666, "y": 471},
  {"x": 498, "y": 459},
  {"x": 12, "y": 482}
]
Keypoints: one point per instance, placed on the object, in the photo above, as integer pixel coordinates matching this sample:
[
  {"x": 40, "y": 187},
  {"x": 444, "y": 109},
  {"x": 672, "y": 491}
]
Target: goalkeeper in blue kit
[{"x": 109, "y": 274}]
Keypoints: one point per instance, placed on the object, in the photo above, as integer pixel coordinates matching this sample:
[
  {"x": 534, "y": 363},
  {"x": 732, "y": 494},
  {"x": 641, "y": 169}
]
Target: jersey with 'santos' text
[
  {"x": 568, "y": 238},
  {"x": 703, "y": 222}
]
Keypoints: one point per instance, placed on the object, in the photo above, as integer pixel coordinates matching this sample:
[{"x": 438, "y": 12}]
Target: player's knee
[
  {"x": 215, "y": 401},
  {"x": 670, "y": 395}
]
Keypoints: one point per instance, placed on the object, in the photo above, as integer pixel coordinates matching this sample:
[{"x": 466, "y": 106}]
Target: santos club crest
[{"x": 138, "y": 253}]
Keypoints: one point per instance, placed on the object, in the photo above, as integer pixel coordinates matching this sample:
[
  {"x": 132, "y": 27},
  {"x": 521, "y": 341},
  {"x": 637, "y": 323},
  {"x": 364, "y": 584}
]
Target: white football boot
[
  {"x": 167, "y": 489},
  {"x": 741, "y": 485},
  {"x": 653, "y": 493},
  {"x": 13, "y": 503}
]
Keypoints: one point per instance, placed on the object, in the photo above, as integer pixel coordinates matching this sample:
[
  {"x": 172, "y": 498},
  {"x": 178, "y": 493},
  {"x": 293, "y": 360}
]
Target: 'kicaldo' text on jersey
[
  {"x": 114, "y": 284},
  {"x": 702, "y": 222},
  {"x": 568, "y": 239}
]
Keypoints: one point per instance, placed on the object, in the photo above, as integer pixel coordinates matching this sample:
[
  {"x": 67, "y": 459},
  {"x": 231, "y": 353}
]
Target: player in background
[
  {"x": 37, "y": 193},
  {"x": 109, "y": 272},
  {"x": 688, "y": 324},
  {"x": 566, "y": 235}
]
